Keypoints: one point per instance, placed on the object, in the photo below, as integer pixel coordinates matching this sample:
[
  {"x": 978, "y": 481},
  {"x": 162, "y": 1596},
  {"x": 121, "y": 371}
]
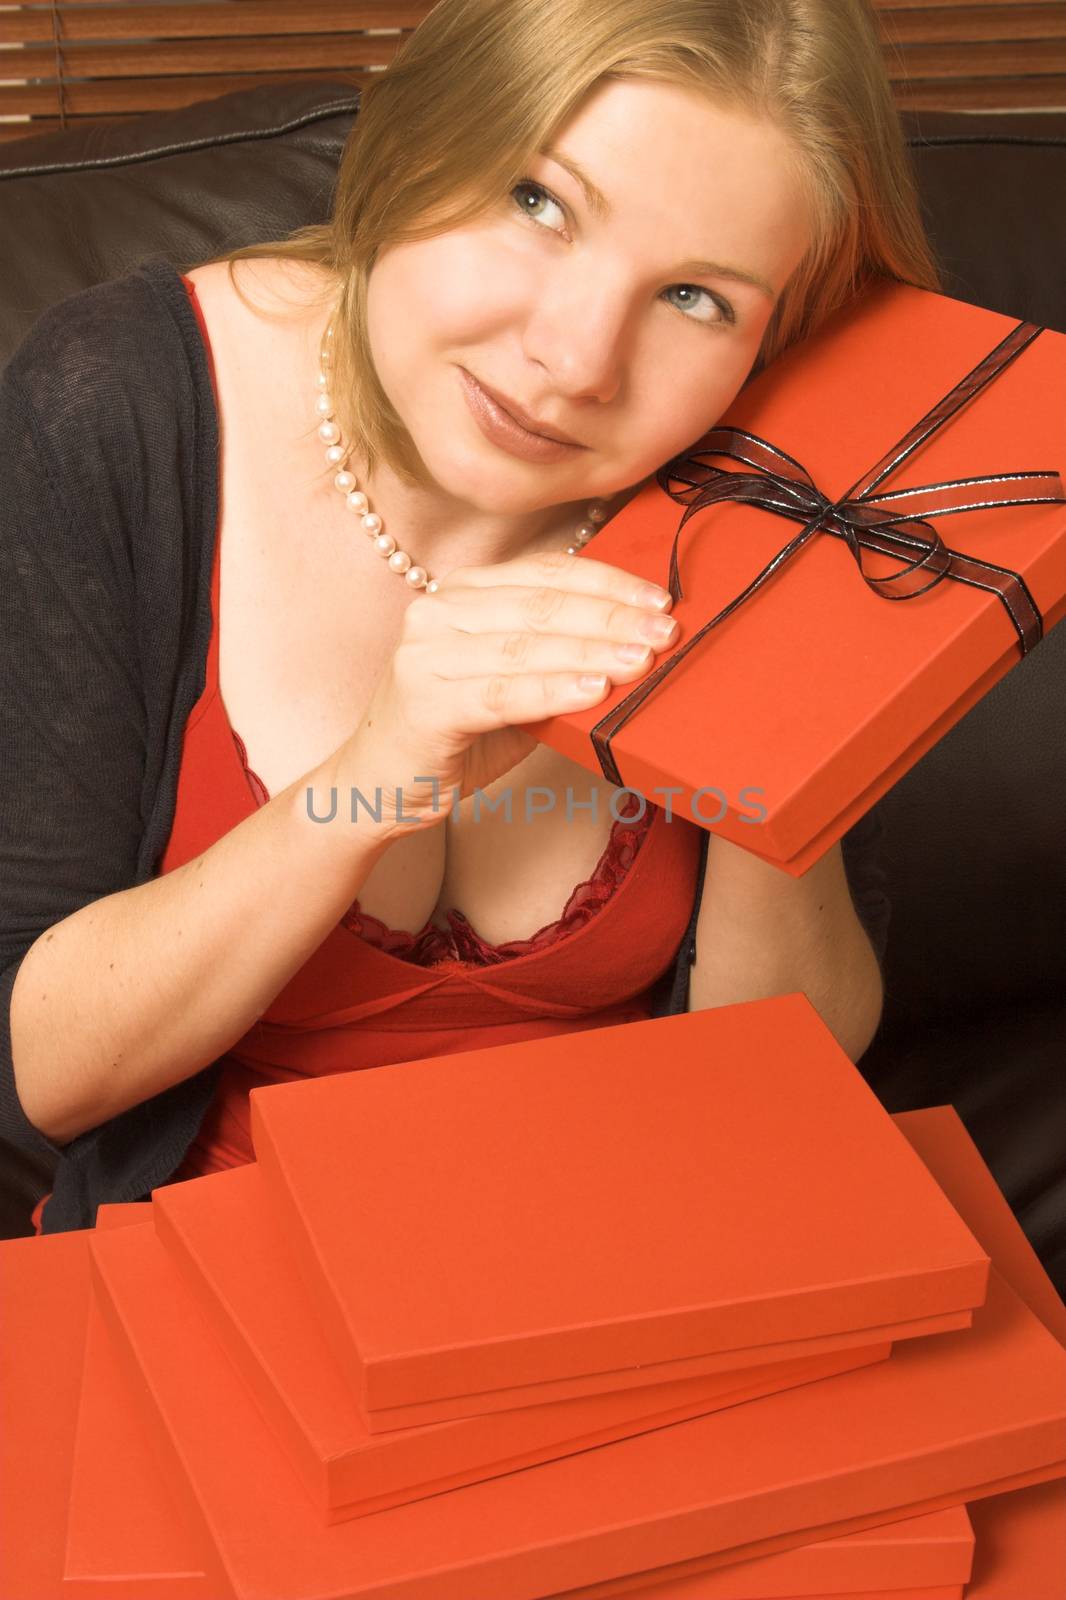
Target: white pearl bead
[
  {"x": 324, "y": 405},
  {"x": 597, "y": 511},
  {"x": 357, "y": 501},
  {"x": 329, "y": 433},
  {"x": 385, "y": 544},
  {"x": 432, "y": 586},
  {"x": 416, "y": 577},
  {"x": 585, "y": 532},
  {"x": 372, "y": 524},
  {"x": 334, "y": 454},
  {"x": 399, "y": 561},
  {"x": 322, "y": 380},
  {"x": 345, "y": 481}
]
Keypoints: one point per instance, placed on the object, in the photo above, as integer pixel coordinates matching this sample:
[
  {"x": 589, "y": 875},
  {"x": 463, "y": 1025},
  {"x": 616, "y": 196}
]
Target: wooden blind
[{"x": 65, "y": 62}]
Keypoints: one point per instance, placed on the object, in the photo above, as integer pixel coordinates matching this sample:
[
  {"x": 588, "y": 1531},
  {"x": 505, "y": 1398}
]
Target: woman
[{"x": 604, "y": 219}]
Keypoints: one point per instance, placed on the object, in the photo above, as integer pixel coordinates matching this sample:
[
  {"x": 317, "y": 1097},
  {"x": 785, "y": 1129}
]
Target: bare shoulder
[{"x": 271, "y": 290}]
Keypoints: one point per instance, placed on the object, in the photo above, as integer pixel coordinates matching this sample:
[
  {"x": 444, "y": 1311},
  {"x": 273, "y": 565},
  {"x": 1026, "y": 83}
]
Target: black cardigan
[{"x": 108, "y": 514}]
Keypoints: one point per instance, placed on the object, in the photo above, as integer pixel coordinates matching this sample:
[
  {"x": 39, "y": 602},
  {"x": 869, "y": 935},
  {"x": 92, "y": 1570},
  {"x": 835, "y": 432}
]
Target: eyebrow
[{"x": 599, "y": 205}]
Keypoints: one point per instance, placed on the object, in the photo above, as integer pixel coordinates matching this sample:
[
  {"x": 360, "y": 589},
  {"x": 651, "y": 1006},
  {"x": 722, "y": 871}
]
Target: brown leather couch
[{"x": 975, "y": 1011}]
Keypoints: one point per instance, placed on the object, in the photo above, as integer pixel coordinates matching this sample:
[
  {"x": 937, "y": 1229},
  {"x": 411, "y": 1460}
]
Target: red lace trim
[{"x": 460, "y": 941}]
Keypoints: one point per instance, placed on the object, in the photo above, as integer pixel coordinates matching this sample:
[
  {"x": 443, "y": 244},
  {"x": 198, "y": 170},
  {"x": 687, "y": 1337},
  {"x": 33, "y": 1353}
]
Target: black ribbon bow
[{"x": 887, "y": 523}]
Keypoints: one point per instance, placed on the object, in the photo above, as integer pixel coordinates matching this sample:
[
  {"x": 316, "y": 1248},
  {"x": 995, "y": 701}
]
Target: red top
[{"x": 372, "y": 995}]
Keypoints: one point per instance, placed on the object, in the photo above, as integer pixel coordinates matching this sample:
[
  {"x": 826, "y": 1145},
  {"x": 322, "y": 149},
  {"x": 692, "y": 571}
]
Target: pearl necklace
[{"x": 337, "y": 454}]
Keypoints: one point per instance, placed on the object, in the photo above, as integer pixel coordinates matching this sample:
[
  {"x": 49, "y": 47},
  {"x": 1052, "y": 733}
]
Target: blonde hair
[{"x": 481, "y": 86}]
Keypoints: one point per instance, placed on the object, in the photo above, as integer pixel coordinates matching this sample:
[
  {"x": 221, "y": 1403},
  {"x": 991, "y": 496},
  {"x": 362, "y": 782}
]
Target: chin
[{"x": 498, "y": 487}]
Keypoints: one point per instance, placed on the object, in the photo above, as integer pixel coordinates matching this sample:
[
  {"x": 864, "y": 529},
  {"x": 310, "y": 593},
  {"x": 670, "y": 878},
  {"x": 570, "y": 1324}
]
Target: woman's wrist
[{"x": 357, "y": 820}]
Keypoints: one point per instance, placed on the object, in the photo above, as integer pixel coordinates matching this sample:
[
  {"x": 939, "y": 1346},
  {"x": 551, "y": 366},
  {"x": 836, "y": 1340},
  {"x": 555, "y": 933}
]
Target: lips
[
  {"x": 524, "y": 419},
  {"x": 506, "y": 432}
]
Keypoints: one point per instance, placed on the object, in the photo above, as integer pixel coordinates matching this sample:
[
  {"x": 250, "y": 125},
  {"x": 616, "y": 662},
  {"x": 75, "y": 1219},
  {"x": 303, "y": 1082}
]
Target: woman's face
[{"x": 598, "y": 320}]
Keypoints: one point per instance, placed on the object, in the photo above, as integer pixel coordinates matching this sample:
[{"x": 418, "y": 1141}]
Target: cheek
[
  {"x": 452, "y": 289},
  {"x": 683, "y": 398}
]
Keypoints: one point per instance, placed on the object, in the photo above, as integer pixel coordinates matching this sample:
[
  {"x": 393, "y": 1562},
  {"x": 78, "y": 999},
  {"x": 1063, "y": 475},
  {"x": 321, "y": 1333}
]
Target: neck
[{"x": 441, "y": 533}]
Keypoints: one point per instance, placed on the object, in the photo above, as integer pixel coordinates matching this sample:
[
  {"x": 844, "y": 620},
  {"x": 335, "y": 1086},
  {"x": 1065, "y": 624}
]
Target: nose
[{"x": 579, "y": 334}]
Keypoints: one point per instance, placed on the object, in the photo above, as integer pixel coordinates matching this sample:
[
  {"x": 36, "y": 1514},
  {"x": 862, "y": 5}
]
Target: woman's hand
[{"x": 495, "y": 646}]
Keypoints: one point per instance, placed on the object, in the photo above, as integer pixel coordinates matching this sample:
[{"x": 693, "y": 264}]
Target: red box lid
[
  {"x": 712, "y": 1182},
  {"x": 790, "y": 756}
]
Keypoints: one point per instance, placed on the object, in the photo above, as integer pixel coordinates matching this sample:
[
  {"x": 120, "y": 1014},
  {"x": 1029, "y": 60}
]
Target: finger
[
  {"x": 510, "y": 608},
  {"x": 557, "y": 569},
  {"x": 500, "y": 701},
  {"x": 521, "y": 652}
]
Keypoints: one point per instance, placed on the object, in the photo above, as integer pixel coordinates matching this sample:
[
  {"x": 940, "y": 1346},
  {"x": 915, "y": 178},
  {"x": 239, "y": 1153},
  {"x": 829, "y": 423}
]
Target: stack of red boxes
[{"x": 673, "y": 1307}]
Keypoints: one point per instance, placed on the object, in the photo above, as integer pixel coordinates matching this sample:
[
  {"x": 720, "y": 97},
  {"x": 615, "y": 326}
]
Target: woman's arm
[
  {"x": 762, "y": 933},
  {"x": 141, "y": 989}
]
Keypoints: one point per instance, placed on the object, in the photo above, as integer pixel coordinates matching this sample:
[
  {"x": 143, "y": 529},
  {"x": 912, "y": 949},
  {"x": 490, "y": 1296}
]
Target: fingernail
[
  {"x": 658, "y": 627},
  {"x": 649, "y": 594}
]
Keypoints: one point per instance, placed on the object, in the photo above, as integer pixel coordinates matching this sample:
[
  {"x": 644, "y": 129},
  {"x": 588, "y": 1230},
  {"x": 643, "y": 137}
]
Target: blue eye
[
  {"x": 695, "y": 288},
  {"x": 728, "y": 315}
]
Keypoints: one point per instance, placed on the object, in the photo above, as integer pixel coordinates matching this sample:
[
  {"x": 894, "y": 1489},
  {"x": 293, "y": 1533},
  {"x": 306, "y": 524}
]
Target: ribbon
[{"x": 887, "y": 523}]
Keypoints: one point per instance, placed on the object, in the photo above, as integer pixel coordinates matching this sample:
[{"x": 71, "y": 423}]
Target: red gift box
[
  {"x": 505, "y": 1226},
  {"x": 951, "y": 1419},
  {"x": 801, "y": 707}
]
